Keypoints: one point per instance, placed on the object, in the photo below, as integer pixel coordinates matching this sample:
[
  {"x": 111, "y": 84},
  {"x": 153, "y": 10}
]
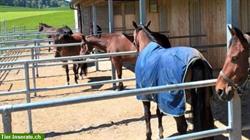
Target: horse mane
[
  {"x": 247, "y": 36},
  {"x": 96, "y": 41},
  {"x": 162, "y": 39},
  {"x": 65, "y": 30},
  {"x": 129, "y": 37},
  {"x": 159, "y": 38}
]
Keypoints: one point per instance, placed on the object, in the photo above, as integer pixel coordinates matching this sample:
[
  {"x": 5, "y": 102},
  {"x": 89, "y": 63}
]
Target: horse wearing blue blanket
[{"x": 156, "y": 66}]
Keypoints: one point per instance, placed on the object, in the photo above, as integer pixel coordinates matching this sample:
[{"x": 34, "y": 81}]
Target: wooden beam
[{"x": 91, "y": 2}]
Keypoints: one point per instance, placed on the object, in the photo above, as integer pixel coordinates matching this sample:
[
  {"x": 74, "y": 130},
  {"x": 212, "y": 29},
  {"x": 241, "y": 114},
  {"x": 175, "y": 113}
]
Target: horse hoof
[{"x": 120, "y": 89}]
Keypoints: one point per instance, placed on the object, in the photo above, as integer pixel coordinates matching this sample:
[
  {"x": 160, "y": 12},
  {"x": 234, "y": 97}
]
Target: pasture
[{"x": 30, "y": 17}]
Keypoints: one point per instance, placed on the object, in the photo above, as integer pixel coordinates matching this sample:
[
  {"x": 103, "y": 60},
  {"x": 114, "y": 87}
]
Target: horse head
[
  {"x": 62, "y": 36},
  {"x": 159, "y": 38},
  {"x": 142, "y": 35},
  {"x": 63, "y": 33},
  {"x": 42, "y": 26},
  {"x": 234, "y": 73}
]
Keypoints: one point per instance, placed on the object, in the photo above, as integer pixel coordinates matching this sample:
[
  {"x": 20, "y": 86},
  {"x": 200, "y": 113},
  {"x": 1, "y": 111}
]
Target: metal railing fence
[
  {"x": 26, "y": 64},
  {"x": 234, "y": 122}
]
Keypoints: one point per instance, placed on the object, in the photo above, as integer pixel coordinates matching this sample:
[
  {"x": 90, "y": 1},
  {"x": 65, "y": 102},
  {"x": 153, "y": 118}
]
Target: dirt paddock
[{"x": 115, "y": 119}]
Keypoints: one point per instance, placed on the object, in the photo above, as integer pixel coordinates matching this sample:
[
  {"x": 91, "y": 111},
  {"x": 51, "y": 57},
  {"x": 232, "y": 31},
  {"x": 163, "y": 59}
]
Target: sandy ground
[{"x": 116, "y": 119}]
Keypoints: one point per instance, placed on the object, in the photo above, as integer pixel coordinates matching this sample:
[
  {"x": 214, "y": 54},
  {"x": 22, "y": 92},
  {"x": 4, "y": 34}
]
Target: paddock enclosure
[{"x": 92, "y": 109}]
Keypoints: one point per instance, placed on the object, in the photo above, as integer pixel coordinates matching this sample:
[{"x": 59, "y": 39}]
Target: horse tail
[{"x": 201, "y": 97}]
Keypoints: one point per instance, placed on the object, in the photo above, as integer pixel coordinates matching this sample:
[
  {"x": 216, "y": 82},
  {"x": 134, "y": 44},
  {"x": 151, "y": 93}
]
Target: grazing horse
[
  {"x": 234, "y": 74},
  {"x": 44, "y": 28},
  {"x": 65, "y": 35},
  {"x": 157, "y": 66},
  {"x": 119, "y": 42}
]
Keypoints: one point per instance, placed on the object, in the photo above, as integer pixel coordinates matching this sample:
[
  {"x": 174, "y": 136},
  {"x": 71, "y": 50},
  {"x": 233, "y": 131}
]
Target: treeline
[{"x": 35, "y": 3}]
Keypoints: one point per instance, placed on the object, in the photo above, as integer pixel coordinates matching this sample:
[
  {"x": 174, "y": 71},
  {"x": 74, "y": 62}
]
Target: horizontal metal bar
[
  {"x": 186, "y": 36},
  {"x": 5, "y": 93},
  {"x": 11, "y": 56},
  {"x": 13, "y": 68},
  {"x": 75, "y": 62},
  {"x": 209, "y": 46},
  {"x": 32, "y": 32},
  {"x": 32, "y": 47},
  {"x": 72, "y": 58},
  {"x": 105, "y": 96},
  {"x": 199, "y": 135},
  {"x": 67, "y": 86},
  {"x": 53, "y": 64},
  {"x": 80, "y": 85},
  {"x": 27, "y": 34},
  {"x": 26, "y": 41}
]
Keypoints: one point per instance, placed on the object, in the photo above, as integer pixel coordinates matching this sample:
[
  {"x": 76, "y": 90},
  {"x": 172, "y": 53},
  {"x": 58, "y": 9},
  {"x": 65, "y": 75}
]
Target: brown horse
[
  {"x": 157, "y": 66},
  {"x": 234, "y": 74},
  {"x": 114, "y": 42},
  {"x": 65, "y": 35},
  {"x": 119, "y": 42}
]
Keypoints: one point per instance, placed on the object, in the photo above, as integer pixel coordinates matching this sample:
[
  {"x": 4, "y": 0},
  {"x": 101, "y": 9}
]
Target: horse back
[{"x": 77, "y": 37}]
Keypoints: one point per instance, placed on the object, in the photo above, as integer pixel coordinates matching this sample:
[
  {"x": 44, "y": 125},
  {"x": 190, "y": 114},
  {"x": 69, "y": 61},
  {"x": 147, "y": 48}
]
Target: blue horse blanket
[{"x": 157, "y": 66}]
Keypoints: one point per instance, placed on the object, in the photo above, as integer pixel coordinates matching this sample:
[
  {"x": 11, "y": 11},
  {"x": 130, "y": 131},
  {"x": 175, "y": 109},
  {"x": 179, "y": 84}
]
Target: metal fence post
[
  {"x": 6, "y": 119},
  {"x": 111, "y": 28},
  {"x": 37, "y": 53},
  {"x": 96, "y": 62},
  {"x": 33, "y": 69},
  {"x": 234, "y": 117},
  {"x": 27, "y": 83}
]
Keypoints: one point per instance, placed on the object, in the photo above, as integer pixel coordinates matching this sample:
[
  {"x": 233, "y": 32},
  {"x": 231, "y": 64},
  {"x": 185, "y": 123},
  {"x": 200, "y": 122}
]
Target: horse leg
[
  {"x": 49, "y": 47},
  {"x": 181, "y": 124},
  {"x": 83, "y": 69},
  {"x": 147, "y": 115},
  {"x": 160, "y": 127},
  {"x": 67, "y": 72},
  {"x": 118, "y": 66},
  {"x": 75, "y": 69}
]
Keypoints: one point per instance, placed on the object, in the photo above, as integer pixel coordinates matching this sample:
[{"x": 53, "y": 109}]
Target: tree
[{"x": 35, "y": 3}]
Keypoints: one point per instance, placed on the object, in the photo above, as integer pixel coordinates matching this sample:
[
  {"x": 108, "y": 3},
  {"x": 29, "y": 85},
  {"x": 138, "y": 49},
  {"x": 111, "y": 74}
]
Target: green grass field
[{"x": 29, "y": 18}]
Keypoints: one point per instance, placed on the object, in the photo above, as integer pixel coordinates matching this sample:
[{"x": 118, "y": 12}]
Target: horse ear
[
  {"x": 241, "y": 37},
  {"x": 231, "y": 31},
  {"x": 148, "y": 24},
  {"x": 135, "y": 25}
]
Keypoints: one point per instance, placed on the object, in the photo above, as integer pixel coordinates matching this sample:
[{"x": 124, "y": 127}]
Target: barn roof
[{"x": 89, "y": 2}]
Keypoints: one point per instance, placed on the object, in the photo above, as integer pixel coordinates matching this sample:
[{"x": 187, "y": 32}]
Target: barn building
[{"x": 196, "y": 23}]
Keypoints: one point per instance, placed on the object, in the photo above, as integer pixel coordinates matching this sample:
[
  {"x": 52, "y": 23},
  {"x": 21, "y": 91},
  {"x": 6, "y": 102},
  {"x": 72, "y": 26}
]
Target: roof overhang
[{"x": 91, "y": 2}]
